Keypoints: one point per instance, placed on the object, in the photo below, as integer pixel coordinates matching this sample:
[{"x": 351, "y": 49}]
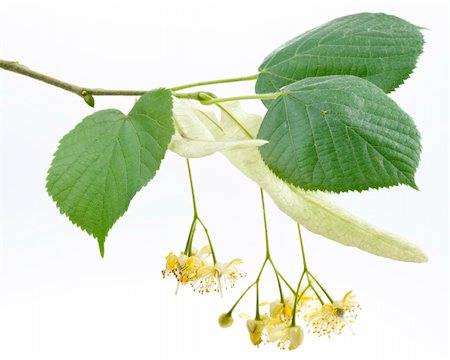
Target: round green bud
[
  {"x": 225, "y": 320},
  {"x": 88, "y": 98}
]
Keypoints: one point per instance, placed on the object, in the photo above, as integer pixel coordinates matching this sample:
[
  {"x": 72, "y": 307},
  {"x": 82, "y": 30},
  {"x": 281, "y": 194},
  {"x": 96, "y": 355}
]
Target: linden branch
[
  {"x": 18, "y": 68},
  {"x": 88, "y": 93}
]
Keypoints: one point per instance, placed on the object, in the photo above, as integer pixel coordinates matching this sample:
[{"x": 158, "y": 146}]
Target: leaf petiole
[
  {"x": 268, "y": 96},
  {"x": 212, "y": 82}
]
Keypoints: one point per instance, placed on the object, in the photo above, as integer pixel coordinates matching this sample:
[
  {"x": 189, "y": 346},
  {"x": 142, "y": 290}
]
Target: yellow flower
[
  {"x": 218, "y": 276},
  {"x": 199, "y": 273},
  {"x": 283, "y": 311},
  {"x": 332, "y": 318},
  {"x": 286, "y": 336},
  {"x": 280, "y": 311},
  {"x": 189, "y": 268},
  {"x": 255, "y": 330},
  {"x": 186, "y": 268},
  {"x": 347, "y": 306},
  {"x": 267, "y": 329}
]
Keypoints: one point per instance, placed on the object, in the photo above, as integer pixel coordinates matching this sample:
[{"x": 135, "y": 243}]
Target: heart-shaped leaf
[
  {"x": 314, "y": 210},
  {"x": 339, "y": 133},
  {"x": 107, "y": 158},
  {"x": 378, "y": 47}
]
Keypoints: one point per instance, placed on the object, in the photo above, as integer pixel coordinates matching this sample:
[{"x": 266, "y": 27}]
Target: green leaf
[
  {"x": 339, "y": 133},
  {"x": 378, "y": 47},
  {"x": 106, "y": 159},
  {"x": 194, "y": 129},
  {"x": 314, "y": 210}
]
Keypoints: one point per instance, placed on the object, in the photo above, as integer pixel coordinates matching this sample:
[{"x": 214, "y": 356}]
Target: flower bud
[
  {"x": 295, "y": 337},
  {"x": 255, "y": 329},
  {"x": 194, "y": 250},
  {"x": 225, "y": 320}
]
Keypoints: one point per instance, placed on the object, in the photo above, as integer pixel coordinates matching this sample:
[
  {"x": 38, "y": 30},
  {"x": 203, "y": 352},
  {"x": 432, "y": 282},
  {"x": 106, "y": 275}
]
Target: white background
[{"x": 60, "y": 300}]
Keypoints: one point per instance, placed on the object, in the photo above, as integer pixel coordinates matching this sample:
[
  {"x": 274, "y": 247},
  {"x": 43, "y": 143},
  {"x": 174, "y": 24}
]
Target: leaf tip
[
  {"x": 101, "y": 246},
  {"x": 412, "y": 183}
]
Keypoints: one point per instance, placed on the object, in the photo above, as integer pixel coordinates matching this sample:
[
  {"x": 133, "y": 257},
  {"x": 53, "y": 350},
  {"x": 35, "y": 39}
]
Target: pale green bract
[
  {"x": 339, "y": 133},
  {"x": 381, "y": 48},
  {"x": 313, "y": 210},
  {"x": 106, "y": 159},
  {"x": 194, "y": 129}
]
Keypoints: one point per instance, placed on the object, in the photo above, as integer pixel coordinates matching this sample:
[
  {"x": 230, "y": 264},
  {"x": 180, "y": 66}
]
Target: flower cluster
[
  {"x": 276, "y": 325},
  {"x": 270, "y": 330},
  {"x": 280, "y": 322},
  {"x": 200, "y": 272}
]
